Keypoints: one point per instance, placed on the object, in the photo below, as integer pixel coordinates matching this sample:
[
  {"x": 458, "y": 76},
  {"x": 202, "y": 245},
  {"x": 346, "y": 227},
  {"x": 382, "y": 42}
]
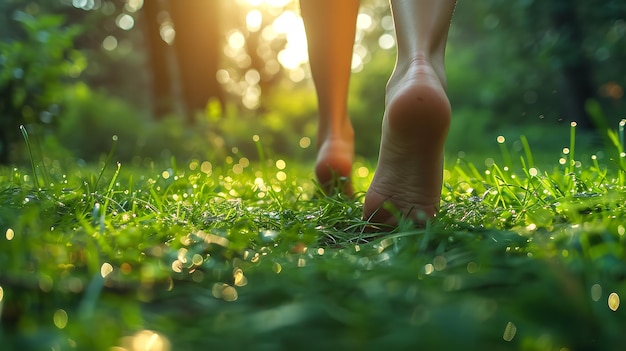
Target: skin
[
  {"x": 408, "y": 178},
  {"x": 331, "y": 26}
]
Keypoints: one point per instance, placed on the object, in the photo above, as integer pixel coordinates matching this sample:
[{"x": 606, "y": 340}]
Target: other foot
[{"x": 333, "y": 167}]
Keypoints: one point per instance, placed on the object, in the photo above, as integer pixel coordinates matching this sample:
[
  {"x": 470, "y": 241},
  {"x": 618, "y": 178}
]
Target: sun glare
[
  {"x": 295, "y": 52},
  {"x": 275, "y": 31},
  {"x": 286, "y": 23}
]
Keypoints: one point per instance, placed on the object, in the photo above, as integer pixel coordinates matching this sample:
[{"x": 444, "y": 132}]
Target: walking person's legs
[
  {"x": 330, "y": 27},
  {"x": 417, "y": 111}
]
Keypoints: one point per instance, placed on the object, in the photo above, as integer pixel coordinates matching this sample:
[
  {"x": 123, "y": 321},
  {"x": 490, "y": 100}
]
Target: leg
[
  {"x": 330, "y": 27},
  {"x": 417, "y": 116}
]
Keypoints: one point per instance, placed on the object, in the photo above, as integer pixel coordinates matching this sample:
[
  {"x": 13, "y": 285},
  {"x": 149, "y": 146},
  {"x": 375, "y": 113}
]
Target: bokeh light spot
[
  {"x": 254, "y": 20},
  {"x": 60, "y": 318},
  {"x": 386, "y": 41},
  {"x": 362, "y": 172},
  {"x": 148, "y": 340},
  {"x": 596, "y": 292},
  {"x": 125, "y": 21},
  {"x": 229, "y": 293},
  {"x": 106, "y": 269},
  {"x": 364, "y": 21},
  {"x": 277, "y": 268},
  {"x": 109, "y": 43},
  {"x": 509, "y": 331},
  {"x": 206, "y": 167},
  {"x": 10, "y": 234},
  {"x": 282, "y": 176},
  {"x": 472, "y": 267},
  {"x": 613, "y": 301},
  {"x": 305, "y": 142},
  {"x": 440, "y": 263},
  {"x": 239, "y": 278},
  {"x": 429, "y": 268},
  {"x": 236, "y": 40}
]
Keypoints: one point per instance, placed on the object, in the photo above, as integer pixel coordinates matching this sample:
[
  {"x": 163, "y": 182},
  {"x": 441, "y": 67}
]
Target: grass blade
[{"x": 30, "y": 152}]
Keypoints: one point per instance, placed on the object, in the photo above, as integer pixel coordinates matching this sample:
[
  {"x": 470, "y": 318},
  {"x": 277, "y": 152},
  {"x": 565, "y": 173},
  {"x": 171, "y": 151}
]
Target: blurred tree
[
  {"x": 528, "y": 59},
  {"x": 35, "y": 65},
  {"x": 569, "y": 59},
  {"x": 158, "y": 52},
  {"x": 197, "y": 43}
]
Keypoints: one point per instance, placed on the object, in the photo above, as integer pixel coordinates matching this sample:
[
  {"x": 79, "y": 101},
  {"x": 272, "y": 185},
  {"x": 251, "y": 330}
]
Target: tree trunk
[
  {"x": 158, "y": 51},
  {"x": 575, "y": 69}
]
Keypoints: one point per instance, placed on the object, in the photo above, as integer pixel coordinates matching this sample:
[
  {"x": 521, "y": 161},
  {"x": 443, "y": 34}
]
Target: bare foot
[
  {"x": 408, "y": 177},
  {"x": 335, "y": 155}
]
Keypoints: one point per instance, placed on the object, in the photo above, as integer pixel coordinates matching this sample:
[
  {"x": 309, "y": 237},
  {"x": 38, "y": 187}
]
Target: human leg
[
  {"x": 417, "y": 116},
  {"x": 330, "y": 26}
]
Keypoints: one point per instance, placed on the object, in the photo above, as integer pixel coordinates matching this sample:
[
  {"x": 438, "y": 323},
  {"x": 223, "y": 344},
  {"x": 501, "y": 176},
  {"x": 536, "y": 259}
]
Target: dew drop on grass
[
  {"x": 268, "y": 236},
  {"x": 509, "y": 331},
  {"x": 255, "y": 258}
]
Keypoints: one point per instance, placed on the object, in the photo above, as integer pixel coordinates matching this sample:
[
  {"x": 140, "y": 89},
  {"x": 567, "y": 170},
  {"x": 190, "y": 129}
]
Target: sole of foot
[{"x": 408, "y": 178}]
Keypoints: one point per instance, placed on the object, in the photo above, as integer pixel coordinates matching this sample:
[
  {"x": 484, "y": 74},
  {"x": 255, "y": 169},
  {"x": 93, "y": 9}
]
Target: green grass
[{"x": 244, "y": 255}]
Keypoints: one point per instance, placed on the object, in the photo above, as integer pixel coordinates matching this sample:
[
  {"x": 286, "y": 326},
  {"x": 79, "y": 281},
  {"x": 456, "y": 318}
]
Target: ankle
[
  {"x": 422, "y": 64},
  {"x": 335, "y": 129}
]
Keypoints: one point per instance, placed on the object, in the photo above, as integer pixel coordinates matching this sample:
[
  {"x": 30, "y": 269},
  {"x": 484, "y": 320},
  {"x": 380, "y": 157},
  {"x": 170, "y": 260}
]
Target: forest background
[{"x": 200, "y": 79}]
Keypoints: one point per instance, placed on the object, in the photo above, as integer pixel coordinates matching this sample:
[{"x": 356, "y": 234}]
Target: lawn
[{"x": 245, "y": 254}]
